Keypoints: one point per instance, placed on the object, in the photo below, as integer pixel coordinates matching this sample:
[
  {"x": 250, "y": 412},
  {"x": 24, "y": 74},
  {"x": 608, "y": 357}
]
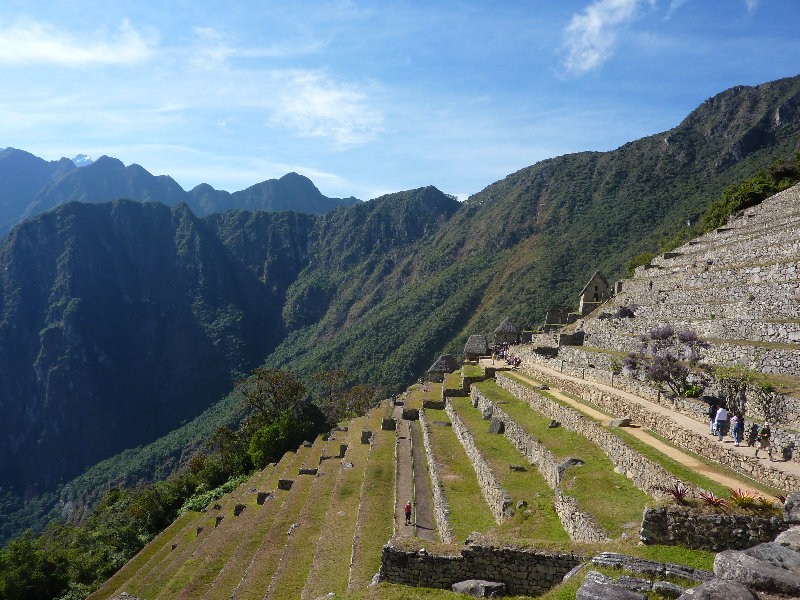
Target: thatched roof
[
  {"x": 477, "y": 344},
  {"x": 446, "y": 363},
  {"x": 507, "y": 327},
  {"x": 597, "y": 276}
]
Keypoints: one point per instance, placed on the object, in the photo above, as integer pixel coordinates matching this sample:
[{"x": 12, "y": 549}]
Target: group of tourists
[
  {"x": 502, "y": 351},
  {"x": 721, "y": 422}
]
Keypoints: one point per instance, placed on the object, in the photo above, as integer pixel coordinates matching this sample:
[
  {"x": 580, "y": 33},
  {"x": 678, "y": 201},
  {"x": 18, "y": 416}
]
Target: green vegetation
[
  {"x": 452, "y": 381},
  {"x": 468, "y": 510},
  {"x": 542, "y": 524},
  {"x": 609, "y": 497},
  {"x": 376, "y": 511},
  {"x": 472, "y": 371}
]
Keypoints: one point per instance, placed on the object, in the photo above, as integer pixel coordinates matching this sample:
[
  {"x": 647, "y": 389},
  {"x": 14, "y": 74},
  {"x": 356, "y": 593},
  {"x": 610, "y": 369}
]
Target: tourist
[
  {"x": 737, "y": 422},
  {"x": 764, "y": 435},
  {"x": 712, "y": 413},
  {"x": 721, "y": 422},
  {"x": 408, "y": 512}
]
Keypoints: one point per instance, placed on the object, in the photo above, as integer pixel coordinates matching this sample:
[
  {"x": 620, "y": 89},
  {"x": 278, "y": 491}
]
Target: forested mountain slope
[{"x": 122, "y": 320}]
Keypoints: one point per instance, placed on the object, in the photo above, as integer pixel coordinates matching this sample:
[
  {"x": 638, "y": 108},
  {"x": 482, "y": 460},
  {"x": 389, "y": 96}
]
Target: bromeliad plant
[
  {"x": 678, "y": 491},
  {"x": 713, "y": 501}
]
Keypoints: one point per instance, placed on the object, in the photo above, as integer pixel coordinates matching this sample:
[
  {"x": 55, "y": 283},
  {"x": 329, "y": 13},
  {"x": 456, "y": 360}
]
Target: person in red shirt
[{"x": 408, "y": 512}]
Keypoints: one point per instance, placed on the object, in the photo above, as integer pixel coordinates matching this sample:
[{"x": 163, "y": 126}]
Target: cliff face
[{"x": 122, "y": 320}]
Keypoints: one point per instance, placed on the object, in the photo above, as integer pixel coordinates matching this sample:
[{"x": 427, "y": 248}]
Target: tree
[
  {"x": 668, "y": 359},
  {"x": 332, "y": 402},
  {"x": 270, "y": 393}
]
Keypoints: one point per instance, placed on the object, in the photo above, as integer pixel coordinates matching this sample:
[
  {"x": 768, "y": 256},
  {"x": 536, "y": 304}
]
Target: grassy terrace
[
  {"x": 240, "y": 550},
  {"x": 414, "y": 396},
  {"x": 218, "y": 553},
  {"x": 669, "y": 464},
  {"x": 172, "y": 581},
  {"x": 253, "y": 583},
  {"x": 468, "y": 510},
  {"x": 543, "y": 522},
  {"x": 330, "y": 570},
  {"x": 453, "y": 380},
  {"x": 376, "y": 511},
  {"x": 298, "y": 554},
  {"x": 472, "y": 371},
  {"x": 609, "y": 497}
]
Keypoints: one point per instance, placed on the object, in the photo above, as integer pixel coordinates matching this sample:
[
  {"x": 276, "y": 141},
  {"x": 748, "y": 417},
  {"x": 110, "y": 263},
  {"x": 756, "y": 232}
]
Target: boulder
[
  {"x": 285, "y": 484},
  {"x": 717, "y": 589},
  {"x": 567, "y": 463},
  {"x": 599, "y": 587},
  {"x": 480, "y": 588},
  {"x": 239, "y": 509},
  {"x": 342, "y": 450},
  {"x": 347, "y": 465},
  {"x": 262, "y": 497},
  {"x": 366, "y": 436},
  {"x": 199, "y": 531},
  {"x": 790, "y": 538},
  {"x": 624, "y": 422},
  {"x": 497, "y": 426},
  {"x": 388, "y": 425},
  {"x": 757, "y": 569},
  {"x": 486, "y": 413},
  {"x": 307, "y": 444},
  {"x": 667, "y": 589},
  {"x": 791, "y": 508},
  {"x": 553, "y": 424},
  {"x": 218, "y": 520},
  {"x": 519, "y": 468},
  {"x": 307, "y": 471}
]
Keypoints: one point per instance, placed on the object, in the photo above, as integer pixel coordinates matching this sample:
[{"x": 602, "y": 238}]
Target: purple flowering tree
[{"x": 667, "y": 359}]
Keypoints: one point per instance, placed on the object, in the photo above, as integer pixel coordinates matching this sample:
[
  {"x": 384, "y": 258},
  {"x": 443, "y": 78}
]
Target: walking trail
[
  {"x": 682, "y": 420},
  {"x": 416, "y": 490}
]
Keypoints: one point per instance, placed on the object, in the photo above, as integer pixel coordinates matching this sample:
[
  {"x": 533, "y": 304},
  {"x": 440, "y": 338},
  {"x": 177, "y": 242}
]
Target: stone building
[
  {"x": 507, "y": 332},
  {"x": 446, "y": 363},
  {"x": 594, "y": 293},
  {"x": 476, "y": 347},
  {"x": 557, "y": 317}
]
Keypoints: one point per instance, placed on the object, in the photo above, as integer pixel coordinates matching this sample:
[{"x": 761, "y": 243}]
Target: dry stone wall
[
  {"x": 705, "y": 446},
  {"x": 496, "y": 497},
  {"x": 441, "y": 508},
  {"x": 676, "y": 526},
  {"x": 647, "y": 475},
  {"x": 527, "y": 572}
]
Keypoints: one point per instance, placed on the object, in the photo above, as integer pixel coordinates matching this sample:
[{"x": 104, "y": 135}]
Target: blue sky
[{"x": 367, "y": 98}]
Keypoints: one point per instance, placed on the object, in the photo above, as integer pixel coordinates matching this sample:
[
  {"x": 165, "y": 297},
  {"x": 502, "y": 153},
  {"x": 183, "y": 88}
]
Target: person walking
[
  {"x": 721, "y": 422},
  {"x": 737, "y": 422},
  {"x": 764, "y": 435},
  {"x": 712, "y": 413},
  {"x": 408, "y": 512}
]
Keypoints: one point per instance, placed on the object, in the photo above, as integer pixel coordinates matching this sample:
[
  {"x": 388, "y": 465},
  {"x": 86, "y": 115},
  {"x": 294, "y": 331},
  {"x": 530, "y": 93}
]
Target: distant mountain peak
[{"x": 82, "y": 160}]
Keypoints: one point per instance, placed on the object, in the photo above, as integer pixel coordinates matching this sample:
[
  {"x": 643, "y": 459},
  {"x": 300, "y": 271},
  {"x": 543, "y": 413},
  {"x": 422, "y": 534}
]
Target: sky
[{"x": 368, "y": 98}]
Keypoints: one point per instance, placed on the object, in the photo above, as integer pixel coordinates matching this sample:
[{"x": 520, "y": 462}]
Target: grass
[
  {"x": 452, "y": 381},
  {"x": 330, "y": 570},
  {"x": 376, "y": 512},
  {"x": 468, "y": 511},
  {"x": 300, "y": 549},
  {"x": 415, "y": 396},
  {"x": 158, "y": 546},
  {"x": 611, "y": 498},
  {"x": 388, "y": 591},
  {"x": 472, "y": 371},
  {"x": 543, "y": 522}
]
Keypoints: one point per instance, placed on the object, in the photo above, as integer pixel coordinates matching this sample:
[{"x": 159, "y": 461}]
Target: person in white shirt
[{"x": 721, "y": 422}]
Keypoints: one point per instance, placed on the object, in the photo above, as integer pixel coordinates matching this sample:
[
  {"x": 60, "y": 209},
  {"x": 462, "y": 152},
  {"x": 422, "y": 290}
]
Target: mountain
[
  {"x": 82, "y": 160},
  {"x": 137, "y": 315},
  {"x": 31, "y": 186}
]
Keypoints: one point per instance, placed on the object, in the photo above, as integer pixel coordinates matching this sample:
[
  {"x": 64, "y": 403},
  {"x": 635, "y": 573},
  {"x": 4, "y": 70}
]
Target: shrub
[
  {"x": 711, "y": 500},
  {"x": 678, "y": 491}
]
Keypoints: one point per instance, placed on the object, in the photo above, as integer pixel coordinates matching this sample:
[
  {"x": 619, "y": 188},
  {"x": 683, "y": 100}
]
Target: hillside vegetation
[{"x": 122, "y": 321}]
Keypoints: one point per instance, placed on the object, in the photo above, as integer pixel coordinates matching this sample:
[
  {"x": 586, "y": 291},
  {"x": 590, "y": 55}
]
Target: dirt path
[
  {"x": 403, "y": 479},
  {"x": 423, "y": 504}
]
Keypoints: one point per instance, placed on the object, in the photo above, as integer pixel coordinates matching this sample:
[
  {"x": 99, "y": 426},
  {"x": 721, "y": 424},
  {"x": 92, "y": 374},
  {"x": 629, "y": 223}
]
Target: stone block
[
  {"x": 480, "y": 588},
  {"x": 433, "y": 404},
  {"x": 600, "y": 587},
  {"x": 791, "y": 509},
  {"x": 667, "y": 589},
  {"x": 497, "y": 426},
  {"x": 410, "y": 414},
  {"x": 262, "y": 497},
  {"x": 624, "y": 422},
  {"x": 790, "y": 538},
  {"x": 342, "y": 450},
  {"x": 366, "y": 436},
  {"x": 199, "y": 531},
  {"x": 553, "y": 424},
  {"x": 757, "y": 572},
  {"x": 238, "y": 509},
  {"x": 307, "y": 444},
  {"x": 388, "y": 424},
  {"x": 218, "y": 520},
  {"x": 285, "y": 484},
  {"x": 307, "y": 471},
  {"x": 717, "y": 589}
]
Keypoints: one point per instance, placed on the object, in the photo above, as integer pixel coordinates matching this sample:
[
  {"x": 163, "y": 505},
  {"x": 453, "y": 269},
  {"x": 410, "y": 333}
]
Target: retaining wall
[
  {"x": 647, "y": 475},
  {"x": 677, "y": 526},
  {"x": 527, "y": 572},
  {"x": 704, "y": 445},
  {"x": 441, "y": 508},
  {"x": 496, "y": 497}
]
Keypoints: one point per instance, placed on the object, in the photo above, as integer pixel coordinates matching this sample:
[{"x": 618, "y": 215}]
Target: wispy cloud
[
  {"x": 27, "y": 41},
  {"x": 751, "y": 5},
  {"x": 674, "y": 6},
  {"x": 590, "y": 36},
  {"x": 314, "y": 105}
]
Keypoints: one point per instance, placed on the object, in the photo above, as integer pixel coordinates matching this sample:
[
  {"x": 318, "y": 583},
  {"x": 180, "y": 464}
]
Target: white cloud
[
  {"x": 751, "y": 5},
  {"x": 28, "y": 41},
  {"x": 316, "y": 106},
  {"x": 590, "y": 36},
  {"x": 674, "y": 6}
]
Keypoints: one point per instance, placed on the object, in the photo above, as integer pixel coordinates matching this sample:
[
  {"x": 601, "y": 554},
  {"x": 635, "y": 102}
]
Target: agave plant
[{"x": 711, "y": 500}]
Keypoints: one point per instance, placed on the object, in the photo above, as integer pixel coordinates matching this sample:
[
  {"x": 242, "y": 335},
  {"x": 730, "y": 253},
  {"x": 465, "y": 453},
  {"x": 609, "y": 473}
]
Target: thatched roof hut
[
  {"x": 476, "y": 346},
  {"x": 446, "y": 363},
  {"x": 507, "y": 332}
]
